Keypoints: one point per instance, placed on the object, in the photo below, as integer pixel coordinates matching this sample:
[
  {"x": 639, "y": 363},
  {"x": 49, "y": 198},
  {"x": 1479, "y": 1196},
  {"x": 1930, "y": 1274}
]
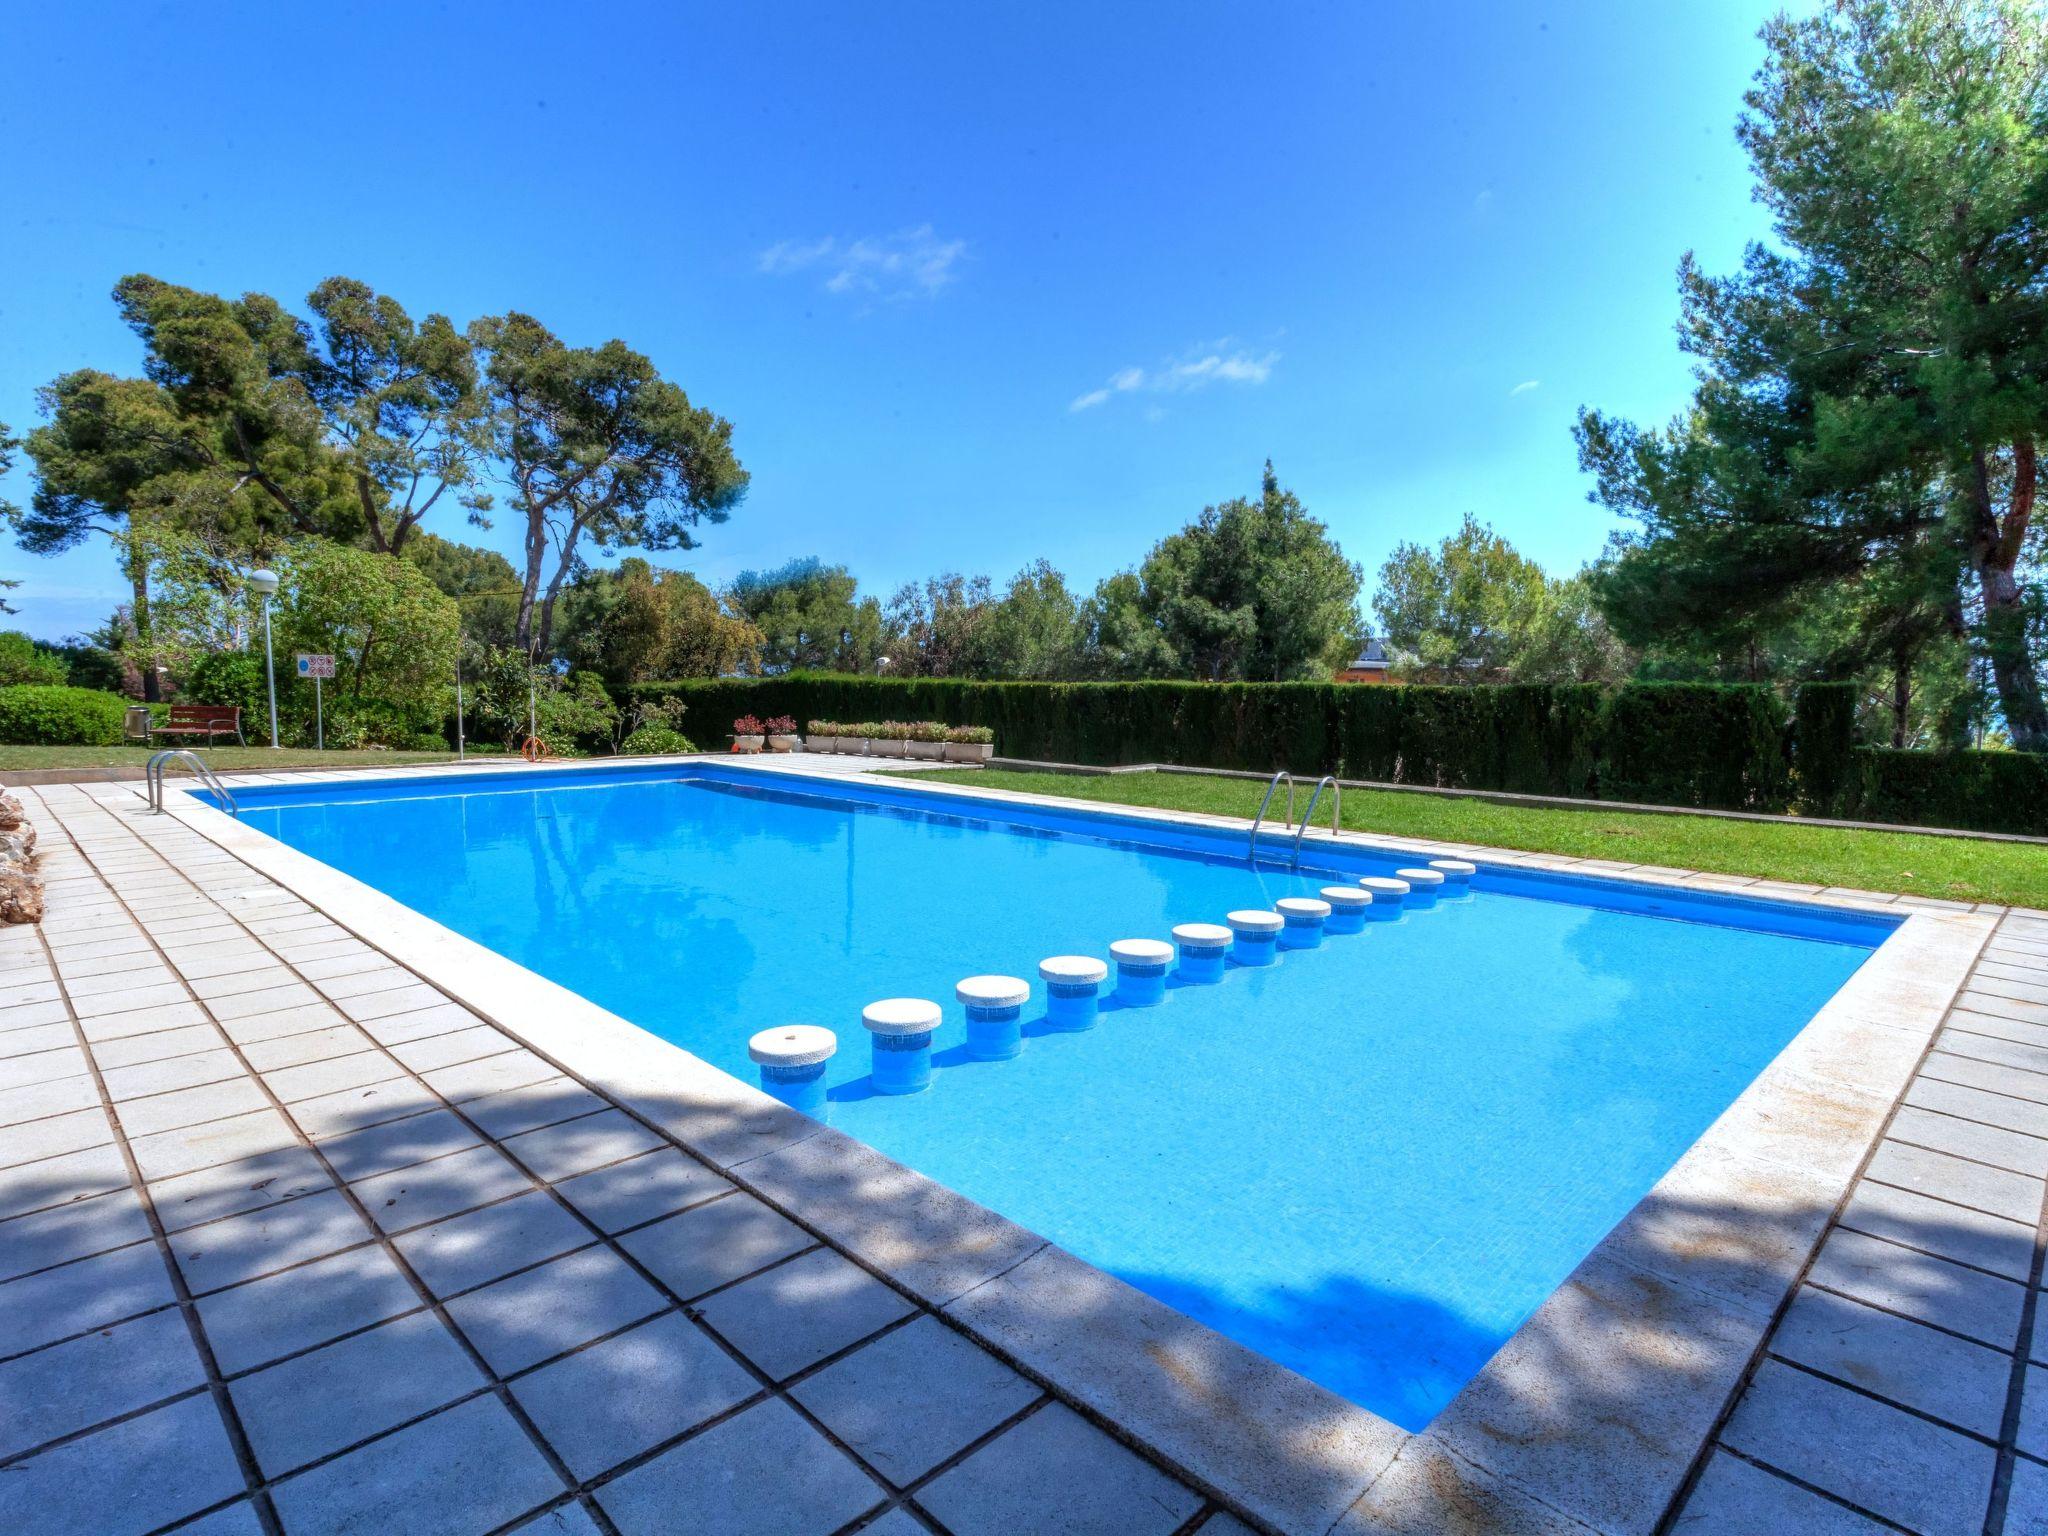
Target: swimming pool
[{"x": 1370, "y": 1162}]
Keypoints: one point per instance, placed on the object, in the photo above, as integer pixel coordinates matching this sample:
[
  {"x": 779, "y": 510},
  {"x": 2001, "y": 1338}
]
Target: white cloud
[
  {"x": 1525, "y": 387},
  {"x": 908, "y": 264},
  {"x": 1218, "y": 362}
]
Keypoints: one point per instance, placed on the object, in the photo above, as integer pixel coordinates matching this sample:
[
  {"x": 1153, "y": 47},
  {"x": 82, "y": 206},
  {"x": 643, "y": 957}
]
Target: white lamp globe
[{"x": 263, "y": 583}]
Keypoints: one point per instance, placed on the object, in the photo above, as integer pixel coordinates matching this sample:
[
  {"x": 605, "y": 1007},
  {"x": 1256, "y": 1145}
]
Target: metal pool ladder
[
  {"x": 153, "y": 776},
  {"x": 1336, "y": 812},
  {"x": 1251, "y": 847}
]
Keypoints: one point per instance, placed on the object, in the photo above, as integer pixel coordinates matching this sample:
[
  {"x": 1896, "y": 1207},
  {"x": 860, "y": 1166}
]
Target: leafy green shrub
[
  {"x": 356, "y": 723},
  {"x": 23, "y": 663},
  {"x": 347, "y": 722},
  {"x": 90, "y": 666},
  {"x": 578, "y": 719},
  {"x": 47, "y": 715},
  {"x": 228, "y": 677},
  {"x": 655, "y": 741}
]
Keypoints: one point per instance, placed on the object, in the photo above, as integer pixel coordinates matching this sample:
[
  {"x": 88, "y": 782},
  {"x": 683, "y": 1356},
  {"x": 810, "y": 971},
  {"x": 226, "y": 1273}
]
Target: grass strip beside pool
[{"x": 1951, "y": 868}]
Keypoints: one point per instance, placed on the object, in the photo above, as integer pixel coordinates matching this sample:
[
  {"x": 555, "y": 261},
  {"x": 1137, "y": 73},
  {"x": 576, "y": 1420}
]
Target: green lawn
[
  {"x": 1960, "y": 869},
  {"x": 17, "y": 759}
]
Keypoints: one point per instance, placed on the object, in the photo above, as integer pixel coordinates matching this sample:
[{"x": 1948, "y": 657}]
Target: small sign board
[{"x": 316, "y": 666}]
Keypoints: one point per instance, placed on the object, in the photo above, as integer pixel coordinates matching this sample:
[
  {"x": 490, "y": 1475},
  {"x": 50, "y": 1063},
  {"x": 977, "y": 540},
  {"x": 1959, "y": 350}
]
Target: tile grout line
[
  {"x": 735, "y": 1176},
  {"x": 1825, "y": 1494},
  {"x": 1712, "y": 1442},
  {"x": 216, "y": 1386},
  {"x": 2016, "y": 1387},
  {"x": 312, "y": 917},
  {"x": 675, "y": 1300},
  {"x": 494, "y": 1384}
]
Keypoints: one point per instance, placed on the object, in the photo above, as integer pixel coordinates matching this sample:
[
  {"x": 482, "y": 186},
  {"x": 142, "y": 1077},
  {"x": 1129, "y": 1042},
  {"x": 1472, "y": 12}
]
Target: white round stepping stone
[
  {"x": 901, "y": 1016},
  {"x": 1073, "y": 970},
  {"x": 1416, "y": 877},
  {"x": 1251, "y": 920},
  {"x": 1457, "y": 871},
  {"x": 1302, "y": 908},
  {"x": 993, "y": 991},
  {"x": 793, "y": 1045},
  {"x": 1347, "y": 896},
  {"x": 1384, "y": 889},
  {"x": 1141, "y": 952},
  {"x": 1202, "y": 936}
]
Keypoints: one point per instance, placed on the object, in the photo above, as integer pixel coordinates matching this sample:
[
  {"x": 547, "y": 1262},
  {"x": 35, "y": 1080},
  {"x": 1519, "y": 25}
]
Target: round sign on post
[{"x": 317, "y": 667}]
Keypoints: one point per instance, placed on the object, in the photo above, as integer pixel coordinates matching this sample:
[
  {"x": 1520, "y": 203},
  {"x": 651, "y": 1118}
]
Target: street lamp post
[{"x": 264, "y": 585}]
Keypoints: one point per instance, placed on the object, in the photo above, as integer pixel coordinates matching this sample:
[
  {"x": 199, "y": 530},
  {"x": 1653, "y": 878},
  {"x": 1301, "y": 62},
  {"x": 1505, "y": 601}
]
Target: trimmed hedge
[
  {"x": 1696, "y": 744},
  {"x": 1662, "y": 743},
  {"x": 55, "y": 716},
  {"x": 1970, "y": 791},
  {"x": 1824, "y": 748},
  {"x": 1712, "y": 746}
]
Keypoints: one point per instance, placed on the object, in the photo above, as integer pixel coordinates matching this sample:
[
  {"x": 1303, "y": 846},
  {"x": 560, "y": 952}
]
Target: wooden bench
[{"x": 208, "y": 720}]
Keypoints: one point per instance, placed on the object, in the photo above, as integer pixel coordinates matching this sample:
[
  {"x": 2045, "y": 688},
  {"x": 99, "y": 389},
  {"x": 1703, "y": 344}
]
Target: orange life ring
[{"x": 534, "y": 750}]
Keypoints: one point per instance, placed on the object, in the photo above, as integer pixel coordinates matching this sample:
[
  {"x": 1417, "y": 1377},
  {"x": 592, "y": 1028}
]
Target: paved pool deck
[{"x": 293, "y": 1240}]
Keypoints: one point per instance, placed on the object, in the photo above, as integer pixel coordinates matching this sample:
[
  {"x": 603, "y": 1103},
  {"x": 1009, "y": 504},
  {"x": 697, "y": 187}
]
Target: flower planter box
[
  {"x": 929, "y": 751},
  {"x": 748, "y": 743},
  {"x": 880, "y": 746},
  {"x": 782, "y": 743},
  {"x": 969, "y": 751}
]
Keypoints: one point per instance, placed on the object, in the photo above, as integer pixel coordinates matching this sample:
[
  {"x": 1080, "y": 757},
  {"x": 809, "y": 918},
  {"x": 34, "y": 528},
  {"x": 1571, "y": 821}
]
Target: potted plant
[
  {"x": 970, "y": 744},
  {"x": 821, "y": 736},
  {"x": 927, "y": 740},
  {"x": 893, "y": 737},
  {"x": 852, "y": 740},
  {"x": 748, "y": 734},
  {"x": 781, "y": 733}
]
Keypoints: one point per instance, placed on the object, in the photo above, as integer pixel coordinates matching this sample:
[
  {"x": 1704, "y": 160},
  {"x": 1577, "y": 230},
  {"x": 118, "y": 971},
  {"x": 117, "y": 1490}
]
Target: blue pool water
[{"x": 1370, "y": 1162}]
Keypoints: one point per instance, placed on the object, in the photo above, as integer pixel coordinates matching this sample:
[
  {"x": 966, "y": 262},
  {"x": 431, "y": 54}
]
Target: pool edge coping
[{"x": 1807, "y": 1122}]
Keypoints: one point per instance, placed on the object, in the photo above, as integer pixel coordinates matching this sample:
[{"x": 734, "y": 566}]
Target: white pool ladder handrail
[
  {"x": 153, "y": 777},
  {"x": 1308, "y": 815},
  {"x": 1251, "y": 847}
]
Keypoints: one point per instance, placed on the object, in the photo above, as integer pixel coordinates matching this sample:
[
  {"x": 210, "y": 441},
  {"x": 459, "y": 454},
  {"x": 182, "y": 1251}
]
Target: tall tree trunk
[
  {"x": 1994, "y": 556},
  {"x": 1902, "y": 696},
  {"x": 370, "y": 516},
  {"x": 2012, "y": 669},
  {"x": 563, "y": 568},
  {"x": 138, "y": 580},
  {"x": 529, "y": 587}
]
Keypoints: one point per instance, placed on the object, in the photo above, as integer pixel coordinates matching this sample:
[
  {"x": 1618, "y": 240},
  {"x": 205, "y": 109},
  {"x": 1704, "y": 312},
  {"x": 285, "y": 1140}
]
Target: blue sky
[{"x": 974, "y": 284}]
